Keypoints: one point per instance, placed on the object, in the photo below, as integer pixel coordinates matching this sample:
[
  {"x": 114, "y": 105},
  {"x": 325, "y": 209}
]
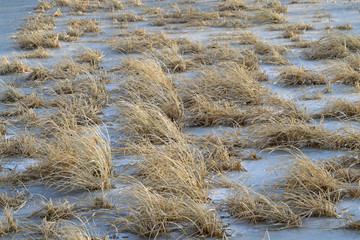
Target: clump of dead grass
[
  {"x": 254, "y": 207},
  {"x": 37, "y": 39},
  {"x": 147, "y": 121},
  {"x": 342, "y": 109},
  {"x": 228, "y": 81},
  {"x": 277, "y": 7},
  {"x": 15, "y": 66},
  {"x": 14, "y": 199},
  {"x": 43, "y": 6},
  {"x": 149, "y": 83},
  {"x": 232, "y": 5},
  {"x": 347, "y": 71},
  {"x": 332, "y": 46},
  {"x": 127, "y": 17},
  {"x": 170, "y": 59},
  {"x": 39, "y": 22},
  {"x": 51, "y": 211},
  {"x": 23, "y": 144},
  {"x": 7, "y": 223},
  {"x": 77, "y": 159},
  {"x": 143, "y": 42},
  {"x": 269, "y": 16},
  {"x": 40, "y": 74},
  {"x": 87, "y": 25},
  {"x": 93, "y": 57},
  {"x": 37, "y": 53},
  {"x": 293, "y": 76}
]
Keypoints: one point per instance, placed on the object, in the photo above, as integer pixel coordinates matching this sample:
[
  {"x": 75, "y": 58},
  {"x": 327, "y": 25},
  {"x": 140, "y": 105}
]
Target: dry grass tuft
[
  {"x": 51, "y": 212},
  {"x": 152, "y": 214},
  {"x": 90, "y": 56},
  {"x": 144, "y": 120},
  {"x": 269, "y": 16},
  {"x": 62, "y": 3},
  {"x": 345, "y": 26},
  {"x": 88, "y": 25},
  {"x": 192, "y": 17},
  {"x": 347, "y": 71},
  {"x": 37, "y": 53},
  {"x": 43, "y": 6},
  {"x": 277, "y": 7},
  {"x": 37, "y": 39},
  {"x": 40, "y": 74},
  {"x": 14, "y": 199},
  {"x": 293, "y": 76},
  {"x": 22, "y": 144},
  {"x": 342, "y": 108},
  {"x": 150, "y": 84},
  {"x": 77, "y": 160},
  {"x": 254, "y": 207},
  {"x": 228, "y": 81},
  {"x": 290, "y": 132},
  {"x": 7, "y": 223},
  {"x": 232, "y": 5},
  {"x": 220, "y": 54},
  {"x": 15, "y": 66},
  {"x": 170, "y": 59},
  {"x": 143, "y": 42},
  {"x": 57, "y": 13},
  {"x": 39, "y": 22},
  {"x": 332, "y": 46},
  {"x": 127, "y": 17}
]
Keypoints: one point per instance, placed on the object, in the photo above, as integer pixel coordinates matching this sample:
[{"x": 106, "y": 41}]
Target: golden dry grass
[
  {"x": 223, "y": 53},
  {"x": 37, "y": 39},
  {"x": 51, "y": 211},
  {"x": 346, "y": 71},
  {"x": 228, "y": 81},
  {"x": 342, "y": 109},
  {"x": 88, "y": 25},
  {"x": 14, "y": 199},
  {"x": 293, "y": 76},
  {"x": 143, "y": 42},
  {"x": 77, "y": 159},
  {"x": 127, "y": 17},
  {"x": 37, "y": 53},
  {"x": 15, "y": 66},
  {"x": 291, "y": 132},
  {"x": 40, "y": 74},
  {"x": 169, "y": 59},
  {"x": 269, "y": 16},
  {"x": 250, "y": 206},
  {"x": 91, "y": 56},
  {"x": 332, "y": 46},
  {"x": 144, "y": 120},
  {"x": 8, "y": 223},
  {"x": 149, "y": 83},
  {"x": 191, "y": 17},
  {"x": 232, "y": 5},
  {"x": 39, "y": 22},
  {"x": 23, "y": 144},
  {"x": 277, "y": 7}
]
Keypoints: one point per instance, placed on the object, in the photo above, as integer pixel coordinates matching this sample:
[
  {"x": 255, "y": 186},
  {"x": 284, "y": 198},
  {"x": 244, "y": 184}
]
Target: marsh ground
[{"x": 179, "y": 119}]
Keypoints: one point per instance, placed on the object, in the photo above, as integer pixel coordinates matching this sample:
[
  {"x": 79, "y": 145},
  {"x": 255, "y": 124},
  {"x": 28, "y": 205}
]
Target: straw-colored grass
[
  {"x": 127, "y": 17},
  {"x": 77, "y": 160},
  {"x": 220, "y": 53},
  {"x": 57, "y": 13},
  {"x": 14, "y": 199},
  {"x": 294, "y": 76},
  {"x": 51, "y": 211},
  {"x": 269, "y": 16},
  {"x": 228, "y": 81},
  {"x": 15, "y": 66},
  {"x": 43, "y": 5},
  {"x": 192, "y": 17},
  {"x": 347, "y": 71},
  {"x": 39, "y": 22},
  {"x": 23, "y": 144},
  {"x": 150, "y": 84},
  {"x": 37, "y": 53},
  {"x": 37, "y": 39},
  {"x": 332, "y": 46},
  {"x": 8, "y": 223},
  {"x": 342, "y": 109},
  {"x": 152, "y": 215},
  {"x": 170, "y": 59},
  {"x": 254, "y": 207},
  {"x": 276, "y": 6},
  {"x": 232, "y": 5},
  {"x": 88, "y": 25},
  {"x": 91, "y": 56},
  {"x": 291, "y": 132},
  {"x": 141, "y": 43},
  {"x": 40, "y": 74},
  {"x": 145, "y": 120}
]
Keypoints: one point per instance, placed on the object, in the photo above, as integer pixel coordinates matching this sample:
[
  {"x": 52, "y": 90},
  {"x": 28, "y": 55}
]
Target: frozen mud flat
[{"x": 264, "y": 168}]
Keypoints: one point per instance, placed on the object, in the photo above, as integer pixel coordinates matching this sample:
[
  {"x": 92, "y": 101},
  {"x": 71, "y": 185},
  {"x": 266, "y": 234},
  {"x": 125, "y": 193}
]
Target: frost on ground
[{"x": 180, "y": 119}]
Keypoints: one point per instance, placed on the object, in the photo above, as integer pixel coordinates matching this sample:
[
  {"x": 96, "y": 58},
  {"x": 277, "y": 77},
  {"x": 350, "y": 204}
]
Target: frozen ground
[{"x": 260, "y": 172}]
